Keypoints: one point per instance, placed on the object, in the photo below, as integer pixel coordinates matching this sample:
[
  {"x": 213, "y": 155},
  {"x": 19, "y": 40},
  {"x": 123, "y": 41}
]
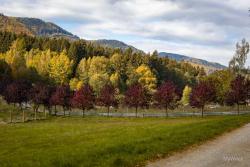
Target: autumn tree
[
  {"x": 82, "y": 71},
  {"x": 237, "y": 64},
  {"x": 221, "y": 81},
  {"x": 4, "y": 82},
  {"x": 166, "y": 96},
  {"x": 186, "y": 95},
  {"x": 60, "y": 68},
  {"x": 17, "y": 92},
  {"x": 16, "y": 61},
  {"x": 107, "y": 97},
  {"x": 136, "y": 96},
  {"x": 142, "y": 75},
  {"x": 98, "y": 73},
  {"x": 202, "y": 94},
  {"x": 84, "y": 98},
  {"x": 41, "y": 62},
  {"x": 39, "y": 95},
  {"x": 146, "y": 78},
  {"x": 75, "y": 84},
  {"x": 61, "y": 97},
  {"x": 238, "y": 93}
]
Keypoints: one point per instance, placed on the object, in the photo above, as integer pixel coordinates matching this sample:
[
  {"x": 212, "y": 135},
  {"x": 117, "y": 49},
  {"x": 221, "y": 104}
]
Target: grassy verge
[{"x": 105, "y": 141}]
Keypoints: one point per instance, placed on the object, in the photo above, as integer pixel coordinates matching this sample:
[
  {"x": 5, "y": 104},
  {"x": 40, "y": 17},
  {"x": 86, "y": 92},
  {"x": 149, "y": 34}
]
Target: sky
[{"x": 205, "y": 29}]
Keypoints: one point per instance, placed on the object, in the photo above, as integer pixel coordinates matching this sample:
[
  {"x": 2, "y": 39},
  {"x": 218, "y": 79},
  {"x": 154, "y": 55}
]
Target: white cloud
[{"x": 205, "y": 29}]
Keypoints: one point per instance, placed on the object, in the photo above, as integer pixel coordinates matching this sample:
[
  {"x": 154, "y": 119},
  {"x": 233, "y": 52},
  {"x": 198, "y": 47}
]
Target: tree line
[
  {"x": 136, "y": 96},
  {"x": 79, "y": 74}
]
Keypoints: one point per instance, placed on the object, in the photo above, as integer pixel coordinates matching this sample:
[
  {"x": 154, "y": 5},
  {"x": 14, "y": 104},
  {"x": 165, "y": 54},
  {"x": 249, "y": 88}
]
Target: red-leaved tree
[
  {"x": 4, "y": 82},
  {"x": 136, "y": 96},
  {"x": 238, "y": 93},
  {"x": 107, "y": 97},
  {"x": 202, "y": 93},
  {"x": 84, "y": 98},
  {"x": 17, "y": 92},
  {"x": 39, "y": 95},
  {"x": 61, "y": 97},
  {"x": 167, "y": 96}
]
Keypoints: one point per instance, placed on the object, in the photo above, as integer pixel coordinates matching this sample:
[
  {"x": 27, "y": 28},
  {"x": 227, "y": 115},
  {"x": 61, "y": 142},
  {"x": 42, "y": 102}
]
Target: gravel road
[{"x": 229, "y": 150}]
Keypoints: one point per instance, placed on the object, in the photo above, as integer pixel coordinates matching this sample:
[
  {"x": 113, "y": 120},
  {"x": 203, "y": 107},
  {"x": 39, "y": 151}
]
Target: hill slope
[
  {"x": 208, "y": 66},
  {"x": 33, "y": 26},
  {"x": 115, "y": 44}
]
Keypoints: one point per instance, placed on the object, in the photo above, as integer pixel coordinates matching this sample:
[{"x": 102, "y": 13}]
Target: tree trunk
[
  {"x": 49, "y": 109},
  {"x": 22, "y": 112},
  {"x": 108, "y": 111},
  {"x": 166, "y": 109},
  {"x": 69, "y": 111},
  {"x": 35, "y": 113},
  {"x": 136, "y": 108},
  {"x": 55, "y": 111},
  {"x": 64, "y": 111},
  {"x": 44, "y": 111},
  {"x": 83, "y": 112},
  {"x": 10, "y": 116},
  {"x": 238, "y": 108},
  {"x": 202, "y": 110}
]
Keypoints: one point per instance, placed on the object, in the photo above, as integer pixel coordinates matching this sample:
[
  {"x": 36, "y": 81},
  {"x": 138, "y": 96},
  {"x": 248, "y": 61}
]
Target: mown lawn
[{"x": 95, "y": 141}]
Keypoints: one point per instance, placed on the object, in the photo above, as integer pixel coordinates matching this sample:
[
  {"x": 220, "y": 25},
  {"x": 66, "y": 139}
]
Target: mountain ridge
[
  {"x": 33, "y": 27},
  {"x": 112, "y": 43},
  {"x": 211, "y": 66}
]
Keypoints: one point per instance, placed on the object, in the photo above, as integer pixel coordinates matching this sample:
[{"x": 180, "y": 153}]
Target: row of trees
[{"x": 166, "y": 96}]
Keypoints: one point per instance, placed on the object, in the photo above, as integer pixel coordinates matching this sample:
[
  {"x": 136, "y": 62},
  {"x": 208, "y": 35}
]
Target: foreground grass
[{"x": 107, "y": 142}]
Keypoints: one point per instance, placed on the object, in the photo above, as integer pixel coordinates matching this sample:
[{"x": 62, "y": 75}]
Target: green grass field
[{"x": 95, "y": 141}]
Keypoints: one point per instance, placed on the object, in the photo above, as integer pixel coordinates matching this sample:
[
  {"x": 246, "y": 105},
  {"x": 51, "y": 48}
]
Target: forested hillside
[
  {"x": 60, "y": 61},
  {"x": 115, "y": 44},
  {"x": 208, "y": 66},
  {"x": 33, "y": 27}
]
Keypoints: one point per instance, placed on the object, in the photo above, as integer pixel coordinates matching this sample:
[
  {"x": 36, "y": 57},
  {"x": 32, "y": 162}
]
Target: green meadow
[{"x": 102, "y": 141}]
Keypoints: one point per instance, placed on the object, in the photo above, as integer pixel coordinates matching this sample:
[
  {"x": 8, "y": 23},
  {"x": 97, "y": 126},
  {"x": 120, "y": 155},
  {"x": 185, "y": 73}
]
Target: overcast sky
[{"x": 206, "y": 29}]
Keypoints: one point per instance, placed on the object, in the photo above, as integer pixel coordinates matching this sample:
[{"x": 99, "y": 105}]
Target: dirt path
[{"x": 229, "y": 150}]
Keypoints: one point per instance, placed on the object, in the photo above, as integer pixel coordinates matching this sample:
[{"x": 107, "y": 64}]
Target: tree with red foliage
[
  {"x": 107, "y": 97},
  {"x": 47, "y": 101},
  {"x": 202, "y": 93},
  {"x": 17, "y": 92},
  {"x": 167, "y": 96},
  {"x": 4, "y": 82},
  {"x": 39, "y": 95},
  {"x": 238, "y": 93},
  {"x": 61, "y": 97},
  {"x": 84, "y": 98},
  {"x": 136, "y": 96}
]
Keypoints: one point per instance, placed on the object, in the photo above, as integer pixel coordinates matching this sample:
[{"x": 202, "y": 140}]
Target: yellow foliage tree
[
  {"x": 115, "y": 79},
  {"x": 60, "y": 68},
  {"x": 185, "y": 95},
  {"x": 146, "y": 77},
  {"x": 39, "y": 60},
  {"x": 15, "y": 59},
  {"x": 82, "y": 71},
  {"x": 99, "y": 64},
  {"x": 98, "y": 81},
  {"x": 75, "y": 84}
]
